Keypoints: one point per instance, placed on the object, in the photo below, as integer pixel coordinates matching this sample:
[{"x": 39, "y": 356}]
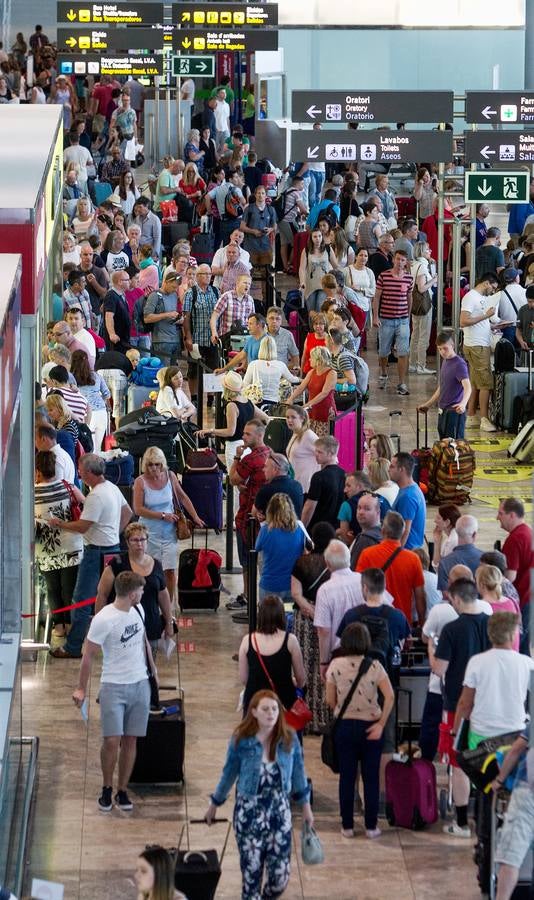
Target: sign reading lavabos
[
  {"x": 132, "y": 65},
  {"x": 499, "y": 147},
  {"x": 140, "y": 12},
  {"x": 193, "y": 66},
  {"x": 497, "y": 187},
  {"x": 239, "y": 15},
  {"x": 224, "y": 41},
  {"x": 499, "y": 107},
  {"x": 371, "y": 146},
  {"x": 113, "y": 39},
  {"x": 372, "y": 106}
]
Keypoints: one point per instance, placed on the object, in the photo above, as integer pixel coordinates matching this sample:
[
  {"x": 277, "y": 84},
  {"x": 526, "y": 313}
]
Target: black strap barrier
[
  {"x": 252, "y": 575},
  {"x": 229, "y": 567}
]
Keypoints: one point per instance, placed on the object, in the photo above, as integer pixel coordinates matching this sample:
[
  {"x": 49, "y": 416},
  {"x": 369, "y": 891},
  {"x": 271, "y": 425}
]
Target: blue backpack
[{"x": 146, "y": 371}]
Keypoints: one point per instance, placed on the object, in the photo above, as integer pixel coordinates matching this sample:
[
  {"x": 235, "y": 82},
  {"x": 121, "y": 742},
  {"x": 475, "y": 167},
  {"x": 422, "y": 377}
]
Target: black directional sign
[
  {"x": 499, "y": 147},
  {"x": 105, "y": 13},
  {"x": 193, "y": 41},
  {"x": 499, "y": 107},
  {"x": 371, "y": 146},
  {"x": 356, "y": 105},
  {"x": 225, "y": 15},
  {"x": 132, "y": 64},
  {"x": 112, "y": 39}
]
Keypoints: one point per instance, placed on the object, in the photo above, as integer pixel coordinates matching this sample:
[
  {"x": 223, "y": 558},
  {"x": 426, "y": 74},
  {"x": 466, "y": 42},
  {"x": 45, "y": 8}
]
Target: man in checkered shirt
[{"x": 232, "y": 308}]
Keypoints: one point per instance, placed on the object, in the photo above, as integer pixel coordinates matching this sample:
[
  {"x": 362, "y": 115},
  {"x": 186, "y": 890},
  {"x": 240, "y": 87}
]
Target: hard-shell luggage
[
  {"x": 160, "y": 754},
  {"x": 411, "y": 791},
  {"x": 522, "y": 447},
  {"x": 421, "y": 455},
  {"x": 138, "y": 395},
  {"x": 102, "y": 190},
  {"x": 203, "y": 247},
  {"x": 190, "y": 597},
  {"x": 509, "y": 388},
  {"x": 149, "y": 431},
  {"x": 523, "y": 405},
  {"x": 406, "y": 206},
  {"x": 204, "y": 487},
  {"x": 277, "y": 433},
  {"x": 451, "y": 472},
  {"x": 198, "y": 872},
  {"x": 348, "y": 428}
]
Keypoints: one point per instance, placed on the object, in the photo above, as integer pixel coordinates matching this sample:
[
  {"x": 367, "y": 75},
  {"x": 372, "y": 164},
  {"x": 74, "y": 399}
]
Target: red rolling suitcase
[{"x": 411, "y": 792}]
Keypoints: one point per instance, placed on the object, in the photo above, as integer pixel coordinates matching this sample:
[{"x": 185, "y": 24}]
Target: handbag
[
  {"x": 328, "y": 746},
  {"x": 421, "y": 301},
  {"x": 75, "y": 505},
  {"x": 475, "y": 762},
  {"x": 184, "y": 527},
  {"x": 254, "y": 391},
  {"x": 300, "y": 713},
  {"x": 310, "y": 846}
]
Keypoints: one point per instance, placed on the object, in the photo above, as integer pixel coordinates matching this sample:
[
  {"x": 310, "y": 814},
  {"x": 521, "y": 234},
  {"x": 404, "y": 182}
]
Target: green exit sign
[
  {"x": 193, "y": 66},
  {"x": 497, "y": 187}
]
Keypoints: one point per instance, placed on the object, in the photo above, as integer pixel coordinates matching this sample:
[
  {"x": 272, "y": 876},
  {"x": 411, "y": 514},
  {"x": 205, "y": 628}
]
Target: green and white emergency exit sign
[{"x": 497, "y": 187}]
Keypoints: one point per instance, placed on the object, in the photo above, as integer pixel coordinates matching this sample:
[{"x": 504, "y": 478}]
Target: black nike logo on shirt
[{"x": 128, "y": 636}]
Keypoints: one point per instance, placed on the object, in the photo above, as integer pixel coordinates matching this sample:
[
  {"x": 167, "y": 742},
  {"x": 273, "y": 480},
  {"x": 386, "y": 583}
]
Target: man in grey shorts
[{"x": 119, "y": 631}]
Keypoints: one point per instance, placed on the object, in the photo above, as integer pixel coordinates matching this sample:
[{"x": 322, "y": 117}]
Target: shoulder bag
[
  {"x": 421, "y": 302},
  {"x": 300, "y": 714},
  {"x": 183, "y": 525},
  {"x": 328, "y": 746},
  {"x": 75, "y": 505},
  {"x": 152, "y": 681},
  {"x": 390, "y": 559}
]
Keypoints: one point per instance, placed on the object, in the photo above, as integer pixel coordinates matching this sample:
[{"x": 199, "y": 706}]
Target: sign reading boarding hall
[
  {"x": 499, "y": 147},
  {"x": 499, "y": 107},
  {"x": 371, "y": 146},
  {"x": 112, "y": 39},
  {"x": 136, "y": 13},
  {"x": 224, "y": 41},
  {"x": 227, "y": 15},
  {"x": 131, "y": 65},
  {"x": 497, "y": 187},
  {"x": 372, "y": 106}
]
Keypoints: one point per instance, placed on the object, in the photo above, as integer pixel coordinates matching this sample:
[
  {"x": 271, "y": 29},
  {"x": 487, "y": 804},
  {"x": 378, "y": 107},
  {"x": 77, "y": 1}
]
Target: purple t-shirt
[{"x": 450, "y": 381}]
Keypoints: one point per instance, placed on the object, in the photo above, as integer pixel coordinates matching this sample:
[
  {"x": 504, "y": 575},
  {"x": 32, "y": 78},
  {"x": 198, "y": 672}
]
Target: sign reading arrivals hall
[
  {"x": 497, "y": 187},
  {"x": 130, "y": 65},
  {"x": 224, "y": 41},
  {"x": 356, "y": 105},
  {"x": 385, "y": 146},
  {"x": 113, "y": 39},
  {"x": 499, "y": 147},
  {"x": 225, "y": 15},
  {"x": 136, "y": 13},
  {"x": 499, "y": 107}
]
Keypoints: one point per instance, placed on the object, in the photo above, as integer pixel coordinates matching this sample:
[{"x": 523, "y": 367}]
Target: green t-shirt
[
  {"x": 165, "y": 180},
  {"x": 230, "y": 96}
]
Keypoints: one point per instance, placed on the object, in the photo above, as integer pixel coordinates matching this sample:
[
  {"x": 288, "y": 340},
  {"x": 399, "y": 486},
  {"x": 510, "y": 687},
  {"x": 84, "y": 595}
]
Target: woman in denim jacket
[{"x": 265, "y": 758}]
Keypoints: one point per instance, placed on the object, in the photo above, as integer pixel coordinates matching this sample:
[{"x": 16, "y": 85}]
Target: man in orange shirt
[{"x": 402, "y": 568}]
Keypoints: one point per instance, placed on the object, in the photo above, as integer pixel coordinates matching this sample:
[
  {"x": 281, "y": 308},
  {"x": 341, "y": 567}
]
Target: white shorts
[
  {"x": 165, "y": 551},
  {"x": 517, "y": 833}
]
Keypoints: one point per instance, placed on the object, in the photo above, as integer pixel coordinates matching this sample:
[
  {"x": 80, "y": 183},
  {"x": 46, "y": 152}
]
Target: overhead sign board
[
  {"x": 112, "y": 39},
  {"x": 224, "y": 41},
  {"x": 499, "y": 147},
  {"x": 372, "y": 146},
  {"x": 193, "y": 66},
  {"x": 105, "y": 13},
  {"x": 227, "y": 15},
  {"x": 497, "y": 187},
  {"x": 499, "y": 107},
  {"x": 361, "y": 105},
  {"x": 132, "y": 64}
]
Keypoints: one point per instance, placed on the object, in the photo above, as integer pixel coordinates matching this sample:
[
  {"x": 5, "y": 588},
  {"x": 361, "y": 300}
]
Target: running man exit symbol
[{"x": 510, "y": 189}]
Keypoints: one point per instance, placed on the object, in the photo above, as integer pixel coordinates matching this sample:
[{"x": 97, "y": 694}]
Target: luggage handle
[
  {"x": 398, "y": 691},
  {"x": 424, "y": 413},
  {"x": 193, "y": 527},
  {"x": 395, "y": 434},
  {"x": 199, "y": 852}
]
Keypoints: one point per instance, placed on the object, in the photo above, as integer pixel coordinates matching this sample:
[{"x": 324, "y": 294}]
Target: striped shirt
[
  {"x": 394, "y": 292},
  {"x": 75, "y": 401}
]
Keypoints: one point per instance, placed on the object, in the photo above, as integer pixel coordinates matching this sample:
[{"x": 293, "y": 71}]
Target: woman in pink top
[
  {"x": 489, "y": 584},
  {"x": 149, "y": 272},
  {"x": 300, "y": 449}
]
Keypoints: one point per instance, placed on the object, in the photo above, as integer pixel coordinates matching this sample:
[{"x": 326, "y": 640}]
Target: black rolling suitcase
[
  {"x": 277, "y": 433},
  {"x": 148, "y": 431},
  {"x": 190, "y": 597},
  {"x": 160, "y": 754},
  {"x": 198, "y": 872}
]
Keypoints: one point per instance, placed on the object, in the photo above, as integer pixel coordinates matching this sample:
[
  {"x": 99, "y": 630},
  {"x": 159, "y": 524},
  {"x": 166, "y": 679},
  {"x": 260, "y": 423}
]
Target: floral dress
[{"x": 263, "y": 833}]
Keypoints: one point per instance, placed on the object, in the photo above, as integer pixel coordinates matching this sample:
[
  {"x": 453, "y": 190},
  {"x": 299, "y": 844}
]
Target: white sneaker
[
  {"x": 486, "y": 425},
  {"x": 382, "y": 381},
  {"x": 412, "y": 369},
  {"x": 422, "y": 370},
  {"x": 454, "y": 830},
  {"x": 347, "y": 832},
  {"x": 372, "y": 833},
  {"x": 472, "y": 422}
]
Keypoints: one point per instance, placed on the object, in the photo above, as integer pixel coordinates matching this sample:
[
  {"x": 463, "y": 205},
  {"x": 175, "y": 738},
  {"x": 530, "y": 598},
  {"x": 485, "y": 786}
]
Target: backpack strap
[
  {"x": 390, "y": 559},
  {"x": 511, "y": 301}
]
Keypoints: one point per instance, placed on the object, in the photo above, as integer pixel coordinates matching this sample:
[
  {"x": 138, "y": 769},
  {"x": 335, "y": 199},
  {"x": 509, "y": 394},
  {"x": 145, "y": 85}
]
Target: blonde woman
[
  {"x": 267, "y": 370},
  {"x": 71, "y": 250},
  {"x": 320, "y": 382},
  {"x": 154, "y": 496},
  {"x": 343, "y": 252},
  {"x": 61, "y": 416},
  {"x": 83, "y": 223},
  {"x": 489, "y": 584},
  {"x": 191, "y": 184},
  {"x": 378, "y": 471},
  {"x": 238, "y": 411},
  {"x": 300, "y": 450},
  {"x": 281, "y": 541}
]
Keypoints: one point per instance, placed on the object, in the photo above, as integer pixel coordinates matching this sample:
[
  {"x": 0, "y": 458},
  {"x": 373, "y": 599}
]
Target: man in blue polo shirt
[
  {"x": 410, "y": 502},
  {"x": 256, "y": 325}
]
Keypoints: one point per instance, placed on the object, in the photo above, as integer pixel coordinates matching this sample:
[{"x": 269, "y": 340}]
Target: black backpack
[
  {"x": 504, "y": 356},
  {"x": 85, "y": 437},
  {"x": 281, "y": 205},
  {"x": 380, "y": 649},
  {"x": 139, "y": 313}
]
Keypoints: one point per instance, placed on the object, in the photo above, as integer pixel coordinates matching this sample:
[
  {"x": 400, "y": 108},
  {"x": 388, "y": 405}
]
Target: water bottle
[{"x": 396, "y": 656}]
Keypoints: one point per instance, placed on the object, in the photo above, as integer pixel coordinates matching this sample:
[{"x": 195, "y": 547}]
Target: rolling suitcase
[
  {"x": 522, "y": 447},
  {"x": 198, "y": 872},
  {"x": 160, "y": 754},
  {"x": 138, "y": 395},
  {"x": 277, "y": 433},
  {"x": 348, "y": 428},
  {"x": 451, "y": 472},
  {"x": 203, "y": 247},
  {"x": 509, "y": 386},
  {"x": 202, "y": 481},
  {"x": 411, "y": 792},
  {"x": 190, "y": 597},
  {"x": 421, "y": 455}
]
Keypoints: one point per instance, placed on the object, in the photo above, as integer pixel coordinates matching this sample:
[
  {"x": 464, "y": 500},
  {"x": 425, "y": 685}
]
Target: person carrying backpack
[{"x": 288, "y": 207}]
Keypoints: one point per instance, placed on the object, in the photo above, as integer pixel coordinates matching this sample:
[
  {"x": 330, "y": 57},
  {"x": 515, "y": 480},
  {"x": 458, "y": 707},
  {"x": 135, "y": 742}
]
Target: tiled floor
[{"x": 94, "y": 855}]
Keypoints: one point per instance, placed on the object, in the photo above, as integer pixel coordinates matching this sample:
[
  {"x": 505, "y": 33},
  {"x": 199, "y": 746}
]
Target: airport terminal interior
[{"x": 193, "y": 223}]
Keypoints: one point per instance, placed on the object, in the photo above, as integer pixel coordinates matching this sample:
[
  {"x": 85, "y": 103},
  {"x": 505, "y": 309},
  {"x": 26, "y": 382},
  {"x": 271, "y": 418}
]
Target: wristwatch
[{"x": 163, "y": 515}]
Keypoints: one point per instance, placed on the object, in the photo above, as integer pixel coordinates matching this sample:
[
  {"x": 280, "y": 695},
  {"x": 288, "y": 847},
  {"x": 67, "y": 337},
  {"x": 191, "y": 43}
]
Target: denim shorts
[
  {"x": 124, "y": 708},
  {"x": 515, "y": 837},
  {"x": 394, "y": 332}
]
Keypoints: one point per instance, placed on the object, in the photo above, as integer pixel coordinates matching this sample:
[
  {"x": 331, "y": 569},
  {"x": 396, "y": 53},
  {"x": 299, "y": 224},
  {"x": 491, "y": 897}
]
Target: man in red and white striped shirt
[{"x": 392, "y": 306}]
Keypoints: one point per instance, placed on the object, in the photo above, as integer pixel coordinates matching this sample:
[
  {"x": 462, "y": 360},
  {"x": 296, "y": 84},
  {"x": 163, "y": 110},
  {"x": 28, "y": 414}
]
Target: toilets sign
[{"x": 371, "y": 146}]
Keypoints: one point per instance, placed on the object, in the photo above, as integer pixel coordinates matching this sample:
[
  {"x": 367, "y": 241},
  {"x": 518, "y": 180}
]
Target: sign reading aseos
[
  {"x": 139, "y": 12},
  {"x": 357, "y": 105},
  {"x": 372, "y": 146}
]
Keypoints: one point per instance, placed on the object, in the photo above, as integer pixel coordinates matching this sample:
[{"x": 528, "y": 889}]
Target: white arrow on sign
[
  {"x": 486, "y": 152},
  {"x": 313, "y": 153},
  {"x": 313, "y": 111},
  {"x": 202, "y": 66},
  {"x": 488, "y": 112},
  {"x": 484, "y": 189}
]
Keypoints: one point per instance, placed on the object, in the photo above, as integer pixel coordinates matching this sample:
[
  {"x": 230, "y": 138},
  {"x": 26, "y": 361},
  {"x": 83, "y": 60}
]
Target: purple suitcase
[
  {"x": 205, "y": 490},
  {"x": 411, "y": 792},
  {"x": 348, "y": 428}
]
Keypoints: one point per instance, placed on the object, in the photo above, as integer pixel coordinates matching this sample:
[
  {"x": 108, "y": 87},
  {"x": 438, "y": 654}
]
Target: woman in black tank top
[{"x": 237, "y": 412}]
